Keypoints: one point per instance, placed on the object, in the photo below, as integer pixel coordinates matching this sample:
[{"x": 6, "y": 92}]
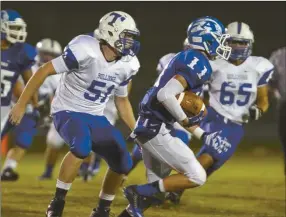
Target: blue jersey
[
  {"x": 193, "y": 66},
  {"x": 14, "y": 61}
]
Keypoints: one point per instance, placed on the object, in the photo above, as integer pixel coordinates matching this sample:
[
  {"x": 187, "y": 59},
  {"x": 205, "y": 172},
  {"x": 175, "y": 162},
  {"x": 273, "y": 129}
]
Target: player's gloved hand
[
  {"x": 195, "y": 120},
  {"x": 255, "y": 113}
]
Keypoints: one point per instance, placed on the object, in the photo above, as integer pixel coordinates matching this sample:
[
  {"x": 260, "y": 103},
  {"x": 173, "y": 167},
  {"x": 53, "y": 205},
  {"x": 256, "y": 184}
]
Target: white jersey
[
  {"x": 88, "y": 80},
  {"x": 163, "y": 62},
  {"x": 50, "y": 84},
  {"x": 233, "y": 89}
]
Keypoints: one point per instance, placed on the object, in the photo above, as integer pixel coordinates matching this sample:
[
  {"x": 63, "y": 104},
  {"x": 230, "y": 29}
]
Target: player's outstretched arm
[
  {"x": 26, "y": 77},
  {"x": 32, "y": 86},
  {"x": 125, "y": 111}
]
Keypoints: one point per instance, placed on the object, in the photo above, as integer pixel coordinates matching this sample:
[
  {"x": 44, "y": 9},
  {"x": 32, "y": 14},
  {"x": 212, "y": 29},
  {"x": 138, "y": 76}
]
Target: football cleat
[
  {"x": 174, "y": 197},
  {"x": 9, "y": 175},
  {"x": 101, "y": 213},
  {"x": 138, "y": 203},
  {"x": 56, "y": 208}
]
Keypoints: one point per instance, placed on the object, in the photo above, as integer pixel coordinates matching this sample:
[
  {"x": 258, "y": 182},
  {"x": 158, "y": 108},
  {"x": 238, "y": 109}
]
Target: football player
[
  {"x": 47, "y": 50},
  {"x": 178, "y": 130},
  {"x": 17, "y": 58},
  {"x": 93, "y": 68},
  {"x": 159, "y": 109},
  {"x": 238, "y": 94}
]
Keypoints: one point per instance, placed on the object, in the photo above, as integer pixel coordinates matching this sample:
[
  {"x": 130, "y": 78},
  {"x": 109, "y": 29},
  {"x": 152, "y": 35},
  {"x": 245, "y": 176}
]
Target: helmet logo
[
  {"x": 115, "y": 17},
  {"x": 206, "y": 26}
]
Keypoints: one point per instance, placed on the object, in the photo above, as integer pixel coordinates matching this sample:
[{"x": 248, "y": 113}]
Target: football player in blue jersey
[
  {"x": 17, "y": 58},
  {"x": 23, "y": 134},
  {"x": 159, "y": 109}
]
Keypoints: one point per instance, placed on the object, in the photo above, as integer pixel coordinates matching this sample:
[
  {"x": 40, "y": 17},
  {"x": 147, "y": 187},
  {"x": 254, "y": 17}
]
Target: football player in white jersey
[
  {"x": 238, "y": 93},
  {"x": 24, "y": 133},
  {"x": 93, "y": 68}
]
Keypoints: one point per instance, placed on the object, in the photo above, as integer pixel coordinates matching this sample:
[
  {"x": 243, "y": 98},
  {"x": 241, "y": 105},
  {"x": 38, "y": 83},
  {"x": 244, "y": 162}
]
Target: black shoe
[
  {"x": 175, "y": 197},
  {"x": 101, "y": 213},
  {"x": 9, "y": 175},
  {"x": 56, "y": 208}
]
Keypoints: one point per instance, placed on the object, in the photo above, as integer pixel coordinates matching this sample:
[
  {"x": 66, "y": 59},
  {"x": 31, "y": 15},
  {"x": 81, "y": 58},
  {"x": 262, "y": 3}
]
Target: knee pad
[{"x": 199, "y": 178}]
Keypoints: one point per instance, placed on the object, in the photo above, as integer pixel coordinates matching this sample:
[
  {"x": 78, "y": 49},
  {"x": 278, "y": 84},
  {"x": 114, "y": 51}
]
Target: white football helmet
[
  {"x": 48, "y": 49},
  {"x": 241, "y": 40},
  {"x": 118, "y": 29}
]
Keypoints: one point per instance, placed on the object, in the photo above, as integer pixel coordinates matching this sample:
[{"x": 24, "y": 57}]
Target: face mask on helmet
[
  {"x": 241, "y": 48},
  {"x": 13, "y": 27},
  {"x": 126, "y": 44}
]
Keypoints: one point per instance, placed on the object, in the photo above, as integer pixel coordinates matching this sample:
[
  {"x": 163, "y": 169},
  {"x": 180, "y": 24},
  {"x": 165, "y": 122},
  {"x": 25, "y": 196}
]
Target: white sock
[
  {"x": 161, "y": 185},
  {"x": 63, "y": 185},
  {"x": 106, "y": 196},
  {"x": 10, "y": 163}
]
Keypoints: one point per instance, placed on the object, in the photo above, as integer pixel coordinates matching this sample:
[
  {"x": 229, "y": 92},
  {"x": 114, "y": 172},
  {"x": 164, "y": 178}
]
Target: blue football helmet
[
  {"x": 241, "y": 40},
  {"x": 13, "y": 27},
  {"x": 208, "y": 34}
]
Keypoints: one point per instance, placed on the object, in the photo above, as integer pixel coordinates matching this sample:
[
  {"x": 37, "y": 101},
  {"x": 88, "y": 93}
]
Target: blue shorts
[
  {"x": 215, "y": 122},
  {"x": 84, "y": 132},
  {"x": 25, "y": 131}
]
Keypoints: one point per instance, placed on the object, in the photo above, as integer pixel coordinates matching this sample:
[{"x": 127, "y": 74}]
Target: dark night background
[{"x": 163, "y": 29}]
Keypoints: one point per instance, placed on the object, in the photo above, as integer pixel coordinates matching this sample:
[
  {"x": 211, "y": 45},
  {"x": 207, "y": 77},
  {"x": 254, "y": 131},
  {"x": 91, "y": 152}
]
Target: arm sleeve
[
  {"x": 167, "y": 96},
  {"x": 265, "y": 69},
  {"x": 74, "y": 57},
  {"x": 122, "y": 89}
]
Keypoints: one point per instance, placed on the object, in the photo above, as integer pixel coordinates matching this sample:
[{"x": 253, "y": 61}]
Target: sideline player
[
  {"x": 278, "y": 85},
  {"x": 93, "y": 69},
  {"x": 17, "y": 58},
  {"x": 159, "y": 109}
]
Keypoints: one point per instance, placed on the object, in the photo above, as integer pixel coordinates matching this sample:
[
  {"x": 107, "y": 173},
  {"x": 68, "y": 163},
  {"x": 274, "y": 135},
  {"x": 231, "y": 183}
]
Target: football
[{"x": 191, "y": 103}]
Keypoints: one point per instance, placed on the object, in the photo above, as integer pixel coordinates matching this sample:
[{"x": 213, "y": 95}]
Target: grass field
[{"x": 245, "y": 187}]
